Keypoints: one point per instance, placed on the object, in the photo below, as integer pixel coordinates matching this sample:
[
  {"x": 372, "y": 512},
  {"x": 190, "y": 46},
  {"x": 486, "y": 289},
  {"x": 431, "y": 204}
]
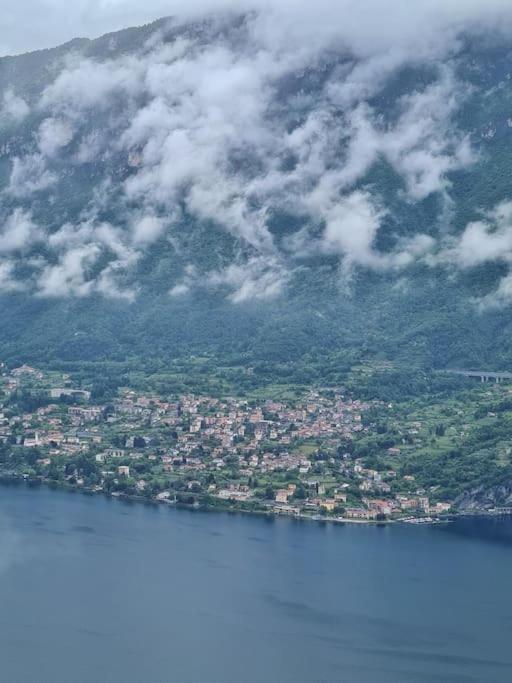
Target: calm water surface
[{"x": 93, "y": 590}]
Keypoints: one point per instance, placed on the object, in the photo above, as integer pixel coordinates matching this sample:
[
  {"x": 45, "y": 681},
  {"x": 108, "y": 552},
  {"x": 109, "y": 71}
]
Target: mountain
[{"x": 226, "y": 187}]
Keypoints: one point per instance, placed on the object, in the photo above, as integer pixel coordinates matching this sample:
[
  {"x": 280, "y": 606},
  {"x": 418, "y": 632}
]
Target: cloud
[
  {"x": 54, "y": 134},
  {"x": 484, "y": 241},
  {"x": 179, "y": 290},
  {"x": 18, "y": 232},
  {"x": 277, "y": 112},
  {"x": 29, "y": 174},
  {"x": 366, "y": 26},
  {"x": 351, "y": 227},
  {"x": 105, "y": 80},
  {"x": 90, "y": 148},
  {"x": 81, "y": 250},
  {"x": 425, "y": 145},
  {"x": 147, "y": 229},
  {"x": 13, "y": 107},
  {"x": 190, "y": 279},
  {"x": 71, "y": 274},
  {"x": 258, "y": 278},
  {"x": 8, "y": 280},
  {"x": 500, "y": 298}
]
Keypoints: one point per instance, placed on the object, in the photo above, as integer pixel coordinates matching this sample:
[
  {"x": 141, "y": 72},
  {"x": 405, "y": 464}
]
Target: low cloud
[
  {"x": 29, "y": 175},
  {"x": 258, "y": 278},
  {"x": 8, "y": 280},
  {"x": 351, "y": 228},
  {"x": 499, "y": 298},
  {"x": 147, "y": 229},
  {"x": 209, "y": 130},
  {"x": 484, "y": 241},
  {"x": 18, "y": 232},
  {"x": 13, "y": 108},
  {"x": 54, "y": 134},
  {"x": 365, "y": 26},
  {"x": 71, "y": 274}
]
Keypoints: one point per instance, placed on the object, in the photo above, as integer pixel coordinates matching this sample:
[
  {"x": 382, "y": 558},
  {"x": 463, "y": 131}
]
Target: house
[
  {"x": 407, "y": 503},
  {"x": 424, "y": 504},
  {"x": 284, "y": 509},
  {"x": 115, "y": 452},
  {"x": 164, "y": 495},
  {"x": 384, "y": 487},
  {"x": 383, "y": 507},
  {"x": 282, "y": 495},
  {"x": 356, "y": 513},
  {"x": 27, "y": 370},
  {"x": 123, "y": 470},
  {"x": 32, "y": 441}
]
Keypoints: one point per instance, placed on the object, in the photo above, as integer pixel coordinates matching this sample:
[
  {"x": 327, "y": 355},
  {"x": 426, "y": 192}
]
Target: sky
[
  {"x": 183, "y": 115},
  {"x": 34, "y": 24}
]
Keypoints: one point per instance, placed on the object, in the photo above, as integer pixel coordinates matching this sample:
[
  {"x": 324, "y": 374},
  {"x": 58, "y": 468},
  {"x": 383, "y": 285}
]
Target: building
[{"x": 282, "y": 495}]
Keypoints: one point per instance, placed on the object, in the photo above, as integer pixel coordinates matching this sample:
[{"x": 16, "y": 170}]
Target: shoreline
[{"x": 16, "y": 480}]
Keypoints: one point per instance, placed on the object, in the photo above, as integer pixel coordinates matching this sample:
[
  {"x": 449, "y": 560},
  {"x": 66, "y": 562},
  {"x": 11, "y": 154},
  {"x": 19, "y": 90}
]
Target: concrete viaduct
[{"x": 484, "y": 375}]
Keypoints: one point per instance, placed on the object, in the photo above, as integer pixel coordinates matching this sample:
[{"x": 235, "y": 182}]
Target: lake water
[{"x": 96, "y": 590}]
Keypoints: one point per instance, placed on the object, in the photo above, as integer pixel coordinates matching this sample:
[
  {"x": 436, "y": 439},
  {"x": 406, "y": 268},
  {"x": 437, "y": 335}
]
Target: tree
[{"x": 440, "y": 430}]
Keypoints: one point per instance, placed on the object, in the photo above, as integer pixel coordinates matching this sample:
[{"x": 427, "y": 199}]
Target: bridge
[{"x": 483, "y": 375}]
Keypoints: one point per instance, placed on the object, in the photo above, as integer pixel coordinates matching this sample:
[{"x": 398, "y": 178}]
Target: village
[{"x": 293, "y": 458}]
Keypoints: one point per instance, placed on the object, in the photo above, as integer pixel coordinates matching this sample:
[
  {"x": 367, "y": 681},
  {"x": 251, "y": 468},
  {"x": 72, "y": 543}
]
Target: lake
[{"x": 99, "y": 590}]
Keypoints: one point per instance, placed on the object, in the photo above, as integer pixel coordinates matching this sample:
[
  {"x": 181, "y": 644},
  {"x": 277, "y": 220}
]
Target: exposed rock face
[{"x": 483, "y": 498}]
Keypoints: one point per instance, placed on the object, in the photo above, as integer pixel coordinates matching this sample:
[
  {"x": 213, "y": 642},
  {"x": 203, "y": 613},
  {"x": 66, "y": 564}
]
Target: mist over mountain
[{"x": 261, "y": 183}]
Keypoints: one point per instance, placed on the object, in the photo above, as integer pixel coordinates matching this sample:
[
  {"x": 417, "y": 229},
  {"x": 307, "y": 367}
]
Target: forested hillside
[{"x": 196, "y": 188}]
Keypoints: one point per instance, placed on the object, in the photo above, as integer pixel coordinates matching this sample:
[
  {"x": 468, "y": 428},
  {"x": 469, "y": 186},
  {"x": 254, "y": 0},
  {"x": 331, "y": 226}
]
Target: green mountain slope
[{"x": 180, "y": 189}]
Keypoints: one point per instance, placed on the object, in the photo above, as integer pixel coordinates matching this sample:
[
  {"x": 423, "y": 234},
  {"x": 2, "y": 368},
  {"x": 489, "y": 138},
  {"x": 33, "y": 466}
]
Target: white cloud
[
  {"x": 91, "y": 148},
  {"x": 71, "y": 274},
  {"x": 500, "y": 298},
  {"x": 18, "y": 232},
  {"x": 365, "y": 25},
  {"x": 484, "y": 241},
  {"x": 104, "y": 80},
  {"x": 28, "y": 175},
  {"x": 54, "y": 134},
  {"x": 207, "y": 129},
  {"x": 87, "y": 258},
  {"x": 8, "y": 281},
  {"x": 351, "y": 228},
  {"x": 147, "y": 229},
  {"x": 179, "y": 290},
  {"x": 258, "y": 278},
  {"x": 352, "y": 224},
  {"x": 13, "y": 107}
]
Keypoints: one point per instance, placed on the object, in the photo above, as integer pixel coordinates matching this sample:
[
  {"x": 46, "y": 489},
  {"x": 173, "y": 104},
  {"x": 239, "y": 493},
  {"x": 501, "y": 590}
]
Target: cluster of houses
[{"x": 227, "y": 448}]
